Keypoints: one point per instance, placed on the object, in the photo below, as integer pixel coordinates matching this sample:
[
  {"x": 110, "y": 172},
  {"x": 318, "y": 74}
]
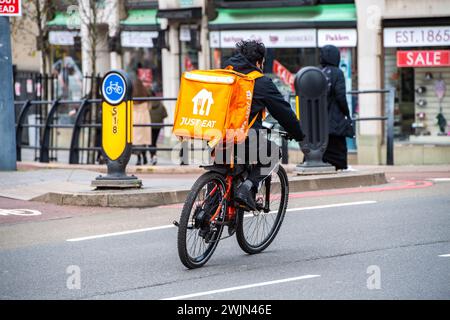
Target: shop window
[
  {"x": 66, "y": 69},
  {"x": 145, "y": 63},
  {"x": 189, "y": 47}
]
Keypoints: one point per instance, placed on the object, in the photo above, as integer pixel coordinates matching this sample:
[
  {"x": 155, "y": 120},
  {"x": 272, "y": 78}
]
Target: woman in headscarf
[{"x": 336, "y": 153}]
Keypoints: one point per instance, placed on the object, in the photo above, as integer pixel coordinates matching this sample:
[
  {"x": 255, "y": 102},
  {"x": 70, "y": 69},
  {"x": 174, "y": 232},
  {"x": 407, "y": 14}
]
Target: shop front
[
  {"x": 140, "y": 56},
  {"x": 417, "y": 64},
  {"x": 293, "y": 37},
  {"x": 65, "y": 57}
]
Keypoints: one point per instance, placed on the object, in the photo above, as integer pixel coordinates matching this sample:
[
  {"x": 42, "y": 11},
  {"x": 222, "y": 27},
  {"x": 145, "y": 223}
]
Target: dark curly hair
[{"x": 253, "y": 50}]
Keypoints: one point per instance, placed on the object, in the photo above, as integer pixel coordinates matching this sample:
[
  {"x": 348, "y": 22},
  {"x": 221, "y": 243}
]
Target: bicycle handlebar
[{"x": 283, "y": 134}]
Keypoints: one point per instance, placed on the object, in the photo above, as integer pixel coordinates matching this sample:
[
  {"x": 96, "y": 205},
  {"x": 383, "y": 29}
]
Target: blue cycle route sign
[{"x": 114, "y": 88}]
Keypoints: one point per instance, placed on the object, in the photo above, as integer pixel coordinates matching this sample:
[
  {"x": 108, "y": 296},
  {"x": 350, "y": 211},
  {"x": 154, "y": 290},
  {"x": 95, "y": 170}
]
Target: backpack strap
[
  {"x": 255, "y": 75},
  {"x": 253, "y": 120}
]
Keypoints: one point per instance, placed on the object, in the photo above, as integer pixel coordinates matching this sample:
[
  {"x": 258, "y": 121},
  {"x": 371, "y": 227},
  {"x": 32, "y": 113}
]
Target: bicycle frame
[{"x": 231, "y": 211}]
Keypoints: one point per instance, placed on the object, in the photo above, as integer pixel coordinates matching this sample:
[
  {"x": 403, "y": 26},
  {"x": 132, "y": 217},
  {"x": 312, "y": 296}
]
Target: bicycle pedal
[{"x": 175, "y": 223}]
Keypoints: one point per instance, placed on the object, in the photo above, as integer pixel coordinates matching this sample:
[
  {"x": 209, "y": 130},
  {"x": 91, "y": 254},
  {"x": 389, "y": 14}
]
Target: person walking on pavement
[
  {"x": 141, "y": 115},
  {"x": 340, "y": 125},
  {"x": 157, "y": 113}
]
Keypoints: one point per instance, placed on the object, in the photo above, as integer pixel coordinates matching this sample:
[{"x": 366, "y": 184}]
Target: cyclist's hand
[{"x": 303, "y": 138}]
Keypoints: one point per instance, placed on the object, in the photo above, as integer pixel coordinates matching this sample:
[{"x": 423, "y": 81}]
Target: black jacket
[
  {"x": 337, "y": 101},
  {"x": 266, "y": 95}
]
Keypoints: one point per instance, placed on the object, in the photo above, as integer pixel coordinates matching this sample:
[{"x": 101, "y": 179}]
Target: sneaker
[
  {"x": 245, "y": 196},
  {"x": 154, "y": 161}
]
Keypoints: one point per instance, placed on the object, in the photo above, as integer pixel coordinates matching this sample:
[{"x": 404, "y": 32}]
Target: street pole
[{"x": 7, "y": 122}]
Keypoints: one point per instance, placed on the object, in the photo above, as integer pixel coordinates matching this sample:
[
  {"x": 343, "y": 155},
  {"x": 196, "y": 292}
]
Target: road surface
[{"x": 384, "y": 242}]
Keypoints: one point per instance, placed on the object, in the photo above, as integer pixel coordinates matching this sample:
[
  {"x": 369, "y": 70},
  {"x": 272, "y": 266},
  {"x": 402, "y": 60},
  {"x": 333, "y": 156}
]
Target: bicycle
[
  {"x": 114, "y": 87},
  {"x": 210, "y": 207}
]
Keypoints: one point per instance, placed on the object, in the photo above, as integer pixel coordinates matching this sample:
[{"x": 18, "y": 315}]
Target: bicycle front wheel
[
  {"x": 198, "y": 236},
  {"x": 257, "y": 229}
]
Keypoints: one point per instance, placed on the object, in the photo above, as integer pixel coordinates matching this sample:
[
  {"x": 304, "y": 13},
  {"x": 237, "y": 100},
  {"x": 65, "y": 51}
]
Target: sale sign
[
  {"x": 146, "y": 76},
  {"x": 284, "y": 74},
  {"x": 10, "y": 8},
  {"x": 423, "y": 58}
]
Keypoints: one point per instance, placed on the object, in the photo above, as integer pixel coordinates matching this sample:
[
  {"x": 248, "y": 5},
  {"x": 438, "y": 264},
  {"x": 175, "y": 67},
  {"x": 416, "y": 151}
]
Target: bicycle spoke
[
  {"x": 205, "y": 203},
  {"x": 258, "y": 227}
]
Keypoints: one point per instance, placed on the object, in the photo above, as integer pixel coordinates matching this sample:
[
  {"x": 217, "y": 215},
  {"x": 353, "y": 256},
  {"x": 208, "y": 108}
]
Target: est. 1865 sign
[
  {"x": 10, "y": 7},
  {"x": 423, "y": 58}
]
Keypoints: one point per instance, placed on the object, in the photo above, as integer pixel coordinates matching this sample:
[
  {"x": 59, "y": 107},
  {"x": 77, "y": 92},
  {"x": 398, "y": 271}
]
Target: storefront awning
[
  {"x": 330, "y": 15},
  {"x": 140, "y": 19},
  {"x": 64, "y": 20}
]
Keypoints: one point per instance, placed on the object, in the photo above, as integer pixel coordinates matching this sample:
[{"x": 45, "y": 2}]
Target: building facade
[
  {"x": 404, "y": 44},
  {"x": 383, "y": 43}
]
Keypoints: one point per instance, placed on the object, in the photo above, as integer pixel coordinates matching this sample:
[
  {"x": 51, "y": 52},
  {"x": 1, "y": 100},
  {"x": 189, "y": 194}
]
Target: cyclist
[{"x": 250, "y": 56}]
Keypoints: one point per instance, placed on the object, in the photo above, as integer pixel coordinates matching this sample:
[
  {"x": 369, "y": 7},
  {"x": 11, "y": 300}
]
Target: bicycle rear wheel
[
  {"x": 257, "y": 229},
  {"x": 197, "y": 236}
]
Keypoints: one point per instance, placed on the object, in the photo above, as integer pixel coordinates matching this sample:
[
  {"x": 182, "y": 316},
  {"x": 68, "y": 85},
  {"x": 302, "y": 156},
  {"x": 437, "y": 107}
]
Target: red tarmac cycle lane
[
  {"x": 48, "y": 211},
  {"x": 392, "y": 186}
]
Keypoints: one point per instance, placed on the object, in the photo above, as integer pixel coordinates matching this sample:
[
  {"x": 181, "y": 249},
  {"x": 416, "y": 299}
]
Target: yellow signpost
[
  {"x": 116, "y": 124},
  {"x": 117, "y": 131}
]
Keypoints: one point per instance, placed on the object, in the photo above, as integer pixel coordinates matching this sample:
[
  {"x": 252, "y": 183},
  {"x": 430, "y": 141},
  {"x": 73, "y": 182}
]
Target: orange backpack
[{"x": 215, "y": 105}]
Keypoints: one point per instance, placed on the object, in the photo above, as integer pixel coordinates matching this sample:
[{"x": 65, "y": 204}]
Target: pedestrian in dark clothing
[
  {"x": 157, "y": 113},
  {"x": 336, "y": 152},
  {"x": 250, "y": 56}
]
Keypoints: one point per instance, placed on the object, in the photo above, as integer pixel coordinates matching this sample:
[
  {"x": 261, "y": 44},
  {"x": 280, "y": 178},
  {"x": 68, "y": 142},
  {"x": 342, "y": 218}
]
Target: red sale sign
[
  {"x": 284, "y": 74},
  {"x": 10, "y": 8},
  {"x": 423, "y": 58}
]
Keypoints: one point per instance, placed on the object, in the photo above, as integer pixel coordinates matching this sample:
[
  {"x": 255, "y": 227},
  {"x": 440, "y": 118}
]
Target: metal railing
[
  {"x": 87, "y": 117},
  {"x": 86, "y": 145},
  {"x": 389, "y": 118}
]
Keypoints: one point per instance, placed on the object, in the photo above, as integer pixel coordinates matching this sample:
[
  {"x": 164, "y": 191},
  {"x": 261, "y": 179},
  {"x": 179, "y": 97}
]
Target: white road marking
[
  {"x": 440, "y": 179},
  {"x": 254, "y": 285},
  {"x": 121, "y": 233},
  {"x": 445, "y": 255},
  {"x": 19, "y": 212},
  {"x": 106, "y": 235},
  {"x": 326, "y": 206}
]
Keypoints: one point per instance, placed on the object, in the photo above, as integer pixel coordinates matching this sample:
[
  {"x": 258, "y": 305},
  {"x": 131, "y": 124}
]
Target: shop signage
[
  {"x": 10, "y": 8},
  {"x": 284, "y": 74},
  {"x": 62, "y": 38},
  {"x": 185, "y": 33},
  {"x": 146, "y": 76},
  {"x": 342, "y": 38},
  {"x": 416, "y": 36},
  {"x": 293, "y": 38},
  {"x": 182, "y": 14},
  {"x": 423, "y": 58},
  {"x": 138, "y": 39}
]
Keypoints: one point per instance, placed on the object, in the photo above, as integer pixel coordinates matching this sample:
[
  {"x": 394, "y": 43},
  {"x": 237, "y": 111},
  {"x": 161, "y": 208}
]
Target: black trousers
[
  {"x": 155, "y": 135},
  {"x": 336, "y": 153},
  {"x": 262, "y": 153}
]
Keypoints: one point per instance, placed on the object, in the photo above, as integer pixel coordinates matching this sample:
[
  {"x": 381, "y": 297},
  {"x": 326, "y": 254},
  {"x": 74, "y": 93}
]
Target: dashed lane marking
[
  {"x": 121, "y": 233},
  {"x": 248, "y": 286}
]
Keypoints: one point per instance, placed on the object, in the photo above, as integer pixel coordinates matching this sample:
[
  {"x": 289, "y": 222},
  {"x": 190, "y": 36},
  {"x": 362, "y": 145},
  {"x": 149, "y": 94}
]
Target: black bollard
[
  {"x": 117, "y": 131},
  {"x": 311, "y": 89}
]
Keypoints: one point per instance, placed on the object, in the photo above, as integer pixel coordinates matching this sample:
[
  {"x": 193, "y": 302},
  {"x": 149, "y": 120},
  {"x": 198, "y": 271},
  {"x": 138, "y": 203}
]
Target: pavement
[
  {"x": 64, "y": 184},
  {"x": 389, "y": 241}
]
